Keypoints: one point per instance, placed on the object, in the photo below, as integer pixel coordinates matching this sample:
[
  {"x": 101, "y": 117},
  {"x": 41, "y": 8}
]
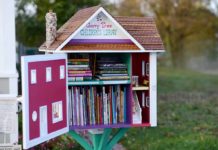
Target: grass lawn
[{"x": 187, "y": 114}]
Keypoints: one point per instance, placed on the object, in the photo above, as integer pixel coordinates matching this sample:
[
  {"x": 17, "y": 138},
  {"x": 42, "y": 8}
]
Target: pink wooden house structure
[{"x": 49, "y": 97}]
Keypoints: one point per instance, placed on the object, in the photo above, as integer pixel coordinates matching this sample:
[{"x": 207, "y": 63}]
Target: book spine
[
  {"x": 79, "y": 72},
  {"x": 77, "y": 106},
  {"x": 77, "y": 63},
  {"x": 69, "y": 107},
  {"x": 80, "y": 75},
  {"x": 81, "y": 110},
  {"x": 113, "y": 105},
  {"x": 79, "y": 60},
  {"x": 124, "y": 105}
]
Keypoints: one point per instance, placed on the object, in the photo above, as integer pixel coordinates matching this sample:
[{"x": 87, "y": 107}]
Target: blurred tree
[
  {"x": 30, "y": 19},
  {"x": 130, "y": 8},
  {"x": 182, "y": 21}
]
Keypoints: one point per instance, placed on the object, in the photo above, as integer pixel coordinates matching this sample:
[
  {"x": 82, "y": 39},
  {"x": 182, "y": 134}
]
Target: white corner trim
[
  {"x": 101, "y": 9},
  {"x": 153, "y": 89}
]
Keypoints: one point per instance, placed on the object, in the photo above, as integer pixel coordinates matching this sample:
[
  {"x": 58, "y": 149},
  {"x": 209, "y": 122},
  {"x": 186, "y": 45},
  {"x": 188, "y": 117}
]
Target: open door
[{"x": 44, "y": 87}]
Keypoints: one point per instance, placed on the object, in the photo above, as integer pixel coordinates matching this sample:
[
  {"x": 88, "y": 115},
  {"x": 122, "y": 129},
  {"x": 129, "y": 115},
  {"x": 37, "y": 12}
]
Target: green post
[{"x": 102, "y": 140}]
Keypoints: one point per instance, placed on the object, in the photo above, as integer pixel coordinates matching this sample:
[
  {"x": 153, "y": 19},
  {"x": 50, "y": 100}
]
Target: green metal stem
[
  {"x": 80, "y": 140},
  {"x": 104, "y": 138},
  {"x": 116, "y": 138},
  {"x": 100, "y": 141}
]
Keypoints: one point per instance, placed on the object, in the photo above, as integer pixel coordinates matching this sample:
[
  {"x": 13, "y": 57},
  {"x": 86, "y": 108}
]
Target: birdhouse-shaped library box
[{"x": 99, "y": 71}]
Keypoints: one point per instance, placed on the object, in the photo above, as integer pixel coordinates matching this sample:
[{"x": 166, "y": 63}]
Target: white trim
[
  {"x": 25, "y": 108},
  {"x": 46, "y": 57},
  {"x": 27, "y": 143},
  {"x": 101, "y": 9},
  {"x": 8, "y": 97},
  {"x": 153, "y": 89},
  {"x": 10, "y": 75},
  {"x": 43, "y": 139}
]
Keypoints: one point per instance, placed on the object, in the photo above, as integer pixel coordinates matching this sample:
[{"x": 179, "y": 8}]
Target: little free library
[{"x": 99, "y": 72}]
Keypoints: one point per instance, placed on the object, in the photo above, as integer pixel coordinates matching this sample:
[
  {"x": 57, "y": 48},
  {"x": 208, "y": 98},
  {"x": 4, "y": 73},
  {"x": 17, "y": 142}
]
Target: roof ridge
[{"x": 89, "y": 8}]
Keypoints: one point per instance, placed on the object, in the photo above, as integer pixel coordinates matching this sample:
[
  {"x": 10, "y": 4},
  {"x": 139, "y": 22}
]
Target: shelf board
[
  {"x": 102, "y": 126},
  {"x": 99, "y": 82},
  {"x": 140, "y": 88}
]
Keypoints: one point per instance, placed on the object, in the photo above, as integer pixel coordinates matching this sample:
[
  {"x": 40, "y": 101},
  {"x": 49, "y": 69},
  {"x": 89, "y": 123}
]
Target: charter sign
[{"x": 100, "y": 27}]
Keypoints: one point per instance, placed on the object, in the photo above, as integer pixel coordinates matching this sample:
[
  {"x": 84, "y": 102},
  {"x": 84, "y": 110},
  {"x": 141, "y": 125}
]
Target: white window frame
[
  {"x": 60, "y": 111},
  {"x": 33, "y": 76},
  {"x": 48, "y": 74},
  {"x": 62, "y": 72}
]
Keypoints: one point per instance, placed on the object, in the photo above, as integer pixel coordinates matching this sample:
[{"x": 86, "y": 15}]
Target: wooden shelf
[
  {"x": 99, "y": 82},
  {"x": 140, "y": 88},
  {"x": 102, "y": 126}
]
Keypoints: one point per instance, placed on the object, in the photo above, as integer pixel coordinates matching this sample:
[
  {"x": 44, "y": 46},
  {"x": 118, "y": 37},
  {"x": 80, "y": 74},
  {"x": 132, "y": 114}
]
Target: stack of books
[
  {"x": 97, "y": 105},
  {"x": 79, "y": 70},
  {"x": 111, "y": 69}
]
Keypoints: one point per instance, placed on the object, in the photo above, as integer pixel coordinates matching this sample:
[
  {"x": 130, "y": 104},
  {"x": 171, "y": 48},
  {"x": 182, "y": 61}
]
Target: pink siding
[{"x": 45, "y": 93}]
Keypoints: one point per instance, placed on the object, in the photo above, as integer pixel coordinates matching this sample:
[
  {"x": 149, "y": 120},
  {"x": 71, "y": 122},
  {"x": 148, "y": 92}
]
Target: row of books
[
  {"x": 97, "y": 105},
  {"x": 79, "y": 69},
  {"x": 108, "y": 68}
]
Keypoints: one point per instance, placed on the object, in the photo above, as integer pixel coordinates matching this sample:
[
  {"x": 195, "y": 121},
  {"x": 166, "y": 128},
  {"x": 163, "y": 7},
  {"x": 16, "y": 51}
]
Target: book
[
  {"x": 71, "y": 79},
  {"x": 111, "y": 71},
  {"x": 97, "y": 105},
  {"x": 80, "y": 75},
  {"x": 113, "y": 78},
  {"x": 79, "y": 60},
  {"x": 79, "y": 71},
  {"x": 108, "y": 75},
  {"x": 78, "y": 66},
  {"x": 78, "y": 63}
]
